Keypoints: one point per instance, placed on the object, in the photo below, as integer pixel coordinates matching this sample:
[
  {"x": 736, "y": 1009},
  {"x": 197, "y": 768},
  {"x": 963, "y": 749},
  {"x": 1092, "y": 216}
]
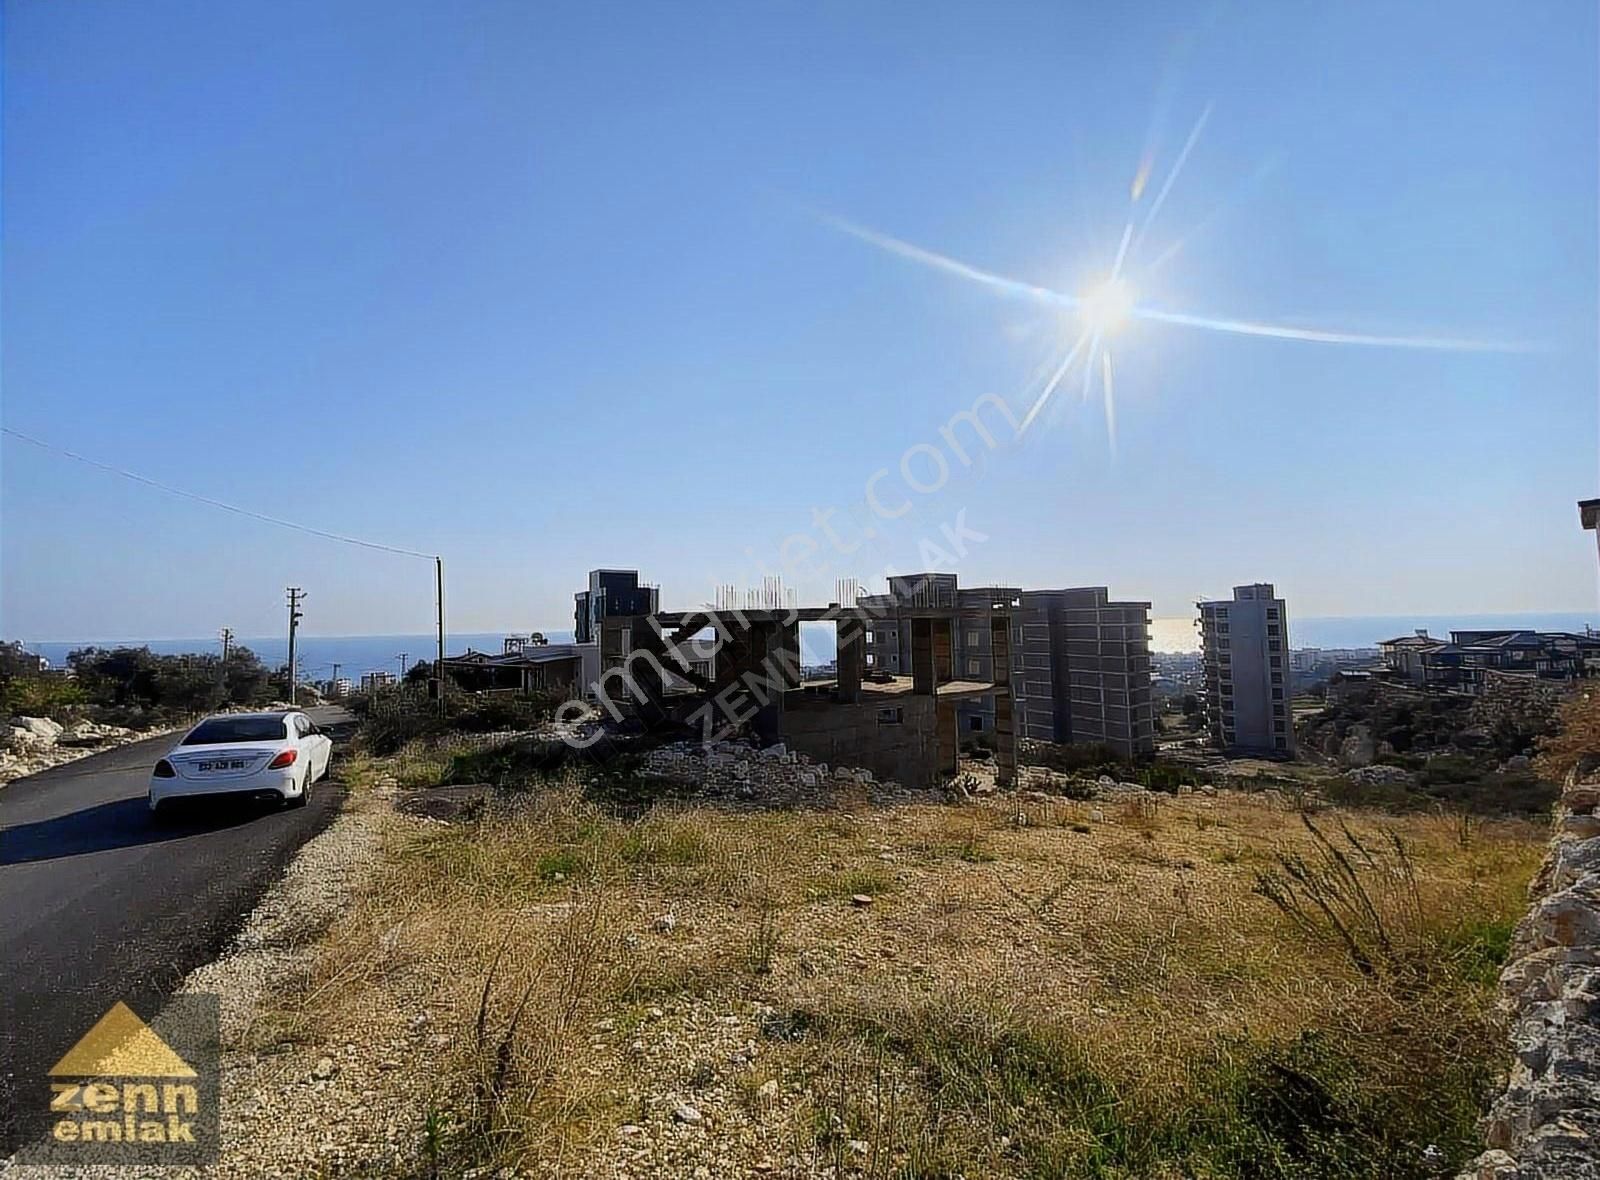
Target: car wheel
[{"x": 304, "y": 796}]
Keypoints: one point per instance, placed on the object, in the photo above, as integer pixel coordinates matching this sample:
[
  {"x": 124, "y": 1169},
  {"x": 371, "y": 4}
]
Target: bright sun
[{"x": 1105, "y": 308}]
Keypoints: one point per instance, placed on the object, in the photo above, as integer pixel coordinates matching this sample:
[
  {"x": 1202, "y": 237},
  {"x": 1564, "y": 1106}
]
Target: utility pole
[
  {"x": 226, "y": 635},
  {"x": 296, "y": 597},
  {"x": 438, "y": 669}
]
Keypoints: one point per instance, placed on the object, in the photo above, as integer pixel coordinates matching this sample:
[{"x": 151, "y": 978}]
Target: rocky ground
[
  {"x": 38, "y": 743},
  {"x": 1546, "y": 1124}
]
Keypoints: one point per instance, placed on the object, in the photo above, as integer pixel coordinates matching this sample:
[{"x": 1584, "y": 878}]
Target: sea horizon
[{"x": 356, "y": 654}]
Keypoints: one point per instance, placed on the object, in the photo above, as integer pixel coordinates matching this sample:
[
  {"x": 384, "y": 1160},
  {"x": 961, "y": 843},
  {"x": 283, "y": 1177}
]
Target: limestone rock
[
  {"x": 42, "y": 728},
  {"x": 1545, "y": 1125},
  {"x": 1358, "y": 748}
]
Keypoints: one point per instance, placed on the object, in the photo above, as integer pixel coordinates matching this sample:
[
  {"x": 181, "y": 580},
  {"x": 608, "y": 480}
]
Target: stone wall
[{"x": 1546, "y": 1124}]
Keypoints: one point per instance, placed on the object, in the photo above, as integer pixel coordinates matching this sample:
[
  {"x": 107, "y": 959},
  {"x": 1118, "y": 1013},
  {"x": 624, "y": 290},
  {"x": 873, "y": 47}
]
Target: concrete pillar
[
  {"x": 852, "y": 659},
  {"x": 1004, "y": 723},
  {"x": 922, "y": 663},
  {"x": 944, "y": 655},
  {"x": 948, "y": 734}
]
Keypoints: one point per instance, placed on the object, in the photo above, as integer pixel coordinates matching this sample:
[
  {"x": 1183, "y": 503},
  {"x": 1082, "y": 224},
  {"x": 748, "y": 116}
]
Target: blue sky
[{"x": 547, "y": 287}]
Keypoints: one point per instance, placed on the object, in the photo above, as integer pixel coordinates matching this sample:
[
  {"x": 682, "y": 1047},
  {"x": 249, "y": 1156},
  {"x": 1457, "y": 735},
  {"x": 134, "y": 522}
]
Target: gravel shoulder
[{"x": 282, "y": 1109}]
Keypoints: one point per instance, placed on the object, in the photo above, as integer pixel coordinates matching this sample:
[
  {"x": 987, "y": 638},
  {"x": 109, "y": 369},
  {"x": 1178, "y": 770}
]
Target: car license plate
[{"x": 222, "y": 764}]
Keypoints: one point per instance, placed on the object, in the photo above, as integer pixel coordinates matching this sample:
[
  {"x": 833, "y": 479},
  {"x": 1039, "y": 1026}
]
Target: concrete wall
[{"x": 861, "y": 735}]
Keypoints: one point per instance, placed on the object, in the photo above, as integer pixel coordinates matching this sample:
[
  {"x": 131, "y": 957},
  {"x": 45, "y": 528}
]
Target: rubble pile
[
  {"x": 1379, "y": 775},
  {"x": 775, "y": 774},
  {"x": 1041, "y": 780},
  {"x": 38, "y": 743}
]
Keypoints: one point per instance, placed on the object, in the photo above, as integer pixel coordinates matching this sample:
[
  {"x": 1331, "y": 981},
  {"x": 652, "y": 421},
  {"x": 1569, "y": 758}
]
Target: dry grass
[
  {"x": 1578, "y": 735},
  {"x": 1061, "y": 988}
]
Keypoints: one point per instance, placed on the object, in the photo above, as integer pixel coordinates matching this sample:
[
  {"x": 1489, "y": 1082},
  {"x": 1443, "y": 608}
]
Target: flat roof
[{"x": 897, "y": 686}]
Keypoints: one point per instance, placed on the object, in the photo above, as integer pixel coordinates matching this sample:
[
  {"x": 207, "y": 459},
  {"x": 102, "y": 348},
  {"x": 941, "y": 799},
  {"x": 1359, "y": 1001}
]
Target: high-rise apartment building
[
  {"x": 1082, "y": 669},
  {"x": 1244, "y": 646}
]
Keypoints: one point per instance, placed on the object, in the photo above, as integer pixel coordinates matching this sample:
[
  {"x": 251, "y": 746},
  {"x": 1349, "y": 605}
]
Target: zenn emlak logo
[{"x": 131, "y": 1092}]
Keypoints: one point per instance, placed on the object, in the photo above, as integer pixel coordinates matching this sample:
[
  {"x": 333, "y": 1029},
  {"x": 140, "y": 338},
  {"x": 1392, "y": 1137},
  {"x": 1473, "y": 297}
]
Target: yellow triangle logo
[{"x": 120, "y": 1045}]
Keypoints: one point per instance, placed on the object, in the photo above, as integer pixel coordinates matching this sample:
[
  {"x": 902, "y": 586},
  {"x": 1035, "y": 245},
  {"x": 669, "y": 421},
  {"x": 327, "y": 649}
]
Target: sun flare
[{"x": 1106, "y": 308}]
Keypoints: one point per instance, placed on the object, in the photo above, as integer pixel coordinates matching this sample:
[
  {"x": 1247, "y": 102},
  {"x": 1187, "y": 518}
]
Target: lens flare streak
[
  {"x": 1172, "y": 177},
  {"x": 1110, "y": 399},
  {"x": 1050, "y": 385},
  {"x": 1106, "y": 307}
]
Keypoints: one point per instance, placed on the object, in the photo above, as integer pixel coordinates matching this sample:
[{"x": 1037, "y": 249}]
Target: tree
[{"x": 135, "y": 677}]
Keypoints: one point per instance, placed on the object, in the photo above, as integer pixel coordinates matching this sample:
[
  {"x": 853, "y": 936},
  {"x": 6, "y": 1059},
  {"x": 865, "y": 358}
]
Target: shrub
[
  {"x": 1578, "y": 734},
  {"x": 971, "y": 1089}
]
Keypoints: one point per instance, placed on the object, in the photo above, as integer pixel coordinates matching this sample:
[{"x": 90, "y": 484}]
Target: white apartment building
[{"x": 1244, "y": 645}]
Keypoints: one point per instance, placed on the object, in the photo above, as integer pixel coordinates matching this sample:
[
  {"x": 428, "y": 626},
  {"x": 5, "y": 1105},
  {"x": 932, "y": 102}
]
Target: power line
[{"x": 199, "y": 499}]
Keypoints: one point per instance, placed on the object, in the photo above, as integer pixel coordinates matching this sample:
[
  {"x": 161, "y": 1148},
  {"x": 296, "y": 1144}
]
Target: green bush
[{"x": 40, "y": 696}]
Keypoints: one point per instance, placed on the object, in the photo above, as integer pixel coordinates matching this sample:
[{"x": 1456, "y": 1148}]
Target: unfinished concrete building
[
  {"x": 901, "y": 725},
  {"x": 1079, "y": 663},
  {"x": 889, "y": 639}
]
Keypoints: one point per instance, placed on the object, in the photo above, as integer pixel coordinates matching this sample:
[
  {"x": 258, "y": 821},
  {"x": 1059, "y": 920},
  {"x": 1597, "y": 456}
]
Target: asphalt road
[{"x": 98, "y": 903}]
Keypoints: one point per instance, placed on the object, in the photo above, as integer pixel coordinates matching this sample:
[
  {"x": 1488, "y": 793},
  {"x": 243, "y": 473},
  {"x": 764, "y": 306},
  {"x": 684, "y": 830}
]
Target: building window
[
  {"x": 972, "y": 639},
  {"x": 1272, "y": 612},
  {"x": 1274, "y": 645},
  {"x": 975, "y": 722},
  {"x": 1280, "y": 743},
  {"x": 1277, "y": 694},
  {"x": 1277, "y": 727},
  {"x": 1277, "y": 678},
  {"x": 973, "y": 668},
  {"x": 1275, "y": 661},
  {"x": 895, "y": 716}
]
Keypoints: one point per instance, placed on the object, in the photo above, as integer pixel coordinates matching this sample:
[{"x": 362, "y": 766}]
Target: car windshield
[{"x": 219, "y": 730}]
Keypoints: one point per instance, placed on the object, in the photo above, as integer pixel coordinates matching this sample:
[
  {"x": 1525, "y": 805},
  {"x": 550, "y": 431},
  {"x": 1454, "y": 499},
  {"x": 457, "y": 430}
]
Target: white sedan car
[{"x": 260, "y": 755}]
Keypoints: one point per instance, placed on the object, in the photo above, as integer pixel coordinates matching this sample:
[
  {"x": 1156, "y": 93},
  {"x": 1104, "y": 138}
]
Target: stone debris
[
  {"x": 1379, "y": 776},
  {"x": 33, "y": 744},
  {"x": 775, "y": 775},
  {"x": 1546, "y": 1123}
]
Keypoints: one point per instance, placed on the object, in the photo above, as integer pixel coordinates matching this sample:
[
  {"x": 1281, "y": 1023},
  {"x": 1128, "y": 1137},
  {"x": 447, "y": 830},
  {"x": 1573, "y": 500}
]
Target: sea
[{"x": 356, "y": 654}]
